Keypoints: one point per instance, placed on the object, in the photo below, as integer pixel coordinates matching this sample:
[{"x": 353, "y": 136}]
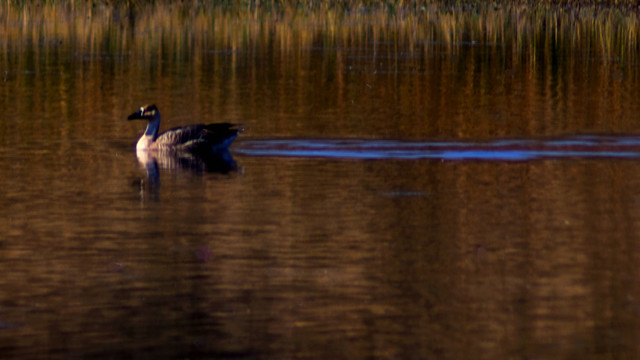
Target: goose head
[
  {"x": 147, "y": 112},
  {"x": 152, "y": 115}
]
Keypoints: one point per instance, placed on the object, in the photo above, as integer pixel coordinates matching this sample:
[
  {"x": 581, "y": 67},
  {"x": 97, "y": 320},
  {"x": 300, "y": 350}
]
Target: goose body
[{"x": 192, "y": 138}]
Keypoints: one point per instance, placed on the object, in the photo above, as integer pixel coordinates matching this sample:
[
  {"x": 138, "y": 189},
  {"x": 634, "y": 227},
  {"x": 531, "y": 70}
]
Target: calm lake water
[{"x": 396, "y": 194}]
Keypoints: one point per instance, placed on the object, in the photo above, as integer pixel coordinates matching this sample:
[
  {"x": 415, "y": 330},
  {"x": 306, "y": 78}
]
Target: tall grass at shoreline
[
  {"x": 443, "y": 21},
  {"x": 601, "y": 31}
]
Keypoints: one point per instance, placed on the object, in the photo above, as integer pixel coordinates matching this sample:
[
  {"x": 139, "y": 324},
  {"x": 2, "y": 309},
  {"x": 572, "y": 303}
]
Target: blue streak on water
[{"x": 497, "y": 150}]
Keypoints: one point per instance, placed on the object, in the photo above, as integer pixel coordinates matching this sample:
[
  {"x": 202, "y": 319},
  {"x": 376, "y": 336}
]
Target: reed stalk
[{"x": 604, "y": 29}]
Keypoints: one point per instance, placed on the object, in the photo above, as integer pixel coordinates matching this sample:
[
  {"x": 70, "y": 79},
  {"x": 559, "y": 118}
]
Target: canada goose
[{"x": 196, "y": 138}]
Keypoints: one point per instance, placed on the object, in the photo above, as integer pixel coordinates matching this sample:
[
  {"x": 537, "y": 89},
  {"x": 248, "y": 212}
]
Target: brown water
[{"x": 388, "y": 199}]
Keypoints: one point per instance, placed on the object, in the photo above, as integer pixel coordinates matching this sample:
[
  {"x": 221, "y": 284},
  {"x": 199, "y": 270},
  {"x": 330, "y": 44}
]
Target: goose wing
[
  {"x": 198, "y": 136},
  {"x": 220, "y": 134},
  {"x": 179, "y": 136}
]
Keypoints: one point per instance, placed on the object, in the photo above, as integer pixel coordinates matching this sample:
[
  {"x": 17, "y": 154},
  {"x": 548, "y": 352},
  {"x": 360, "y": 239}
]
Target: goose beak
[{"x": 135, "y": 116}]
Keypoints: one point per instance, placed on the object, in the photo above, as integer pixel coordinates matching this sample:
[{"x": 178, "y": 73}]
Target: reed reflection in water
[{"x": 105, "y": 255}]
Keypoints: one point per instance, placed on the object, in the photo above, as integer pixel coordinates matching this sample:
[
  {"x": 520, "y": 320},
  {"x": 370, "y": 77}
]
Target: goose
[{"x": 197, "y": 138}]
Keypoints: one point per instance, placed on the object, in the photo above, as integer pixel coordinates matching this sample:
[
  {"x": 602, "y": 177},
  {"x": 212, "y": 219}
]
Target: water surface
[
  {"x": 579, "y": 146},
  {"x": 393, "y": 195}
]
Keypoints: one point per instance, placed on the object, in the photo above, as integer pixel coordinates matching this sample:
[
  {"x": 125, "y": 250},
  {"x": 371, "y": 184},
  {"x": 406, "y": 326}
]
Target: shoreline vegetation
[
  {"x": 603, "y": 30},
  {"x": 441, "y": 60}
]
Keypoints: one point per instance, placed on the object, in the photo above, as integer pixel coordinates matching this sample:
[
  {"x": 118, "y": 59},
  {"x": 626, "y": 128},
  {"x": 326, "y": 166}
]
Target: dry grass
[{"x": 600, "y": 29}]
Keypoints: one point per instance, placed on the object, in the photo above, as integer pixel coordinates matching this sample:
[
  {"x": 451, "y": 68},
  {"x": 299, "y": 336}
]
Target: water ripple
[{"x": 583, "y": 146}]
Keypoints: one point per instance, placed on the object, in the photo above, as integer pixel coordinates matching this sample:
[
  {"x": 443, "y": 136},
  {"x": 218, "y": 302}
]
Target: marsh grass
[{"x": 605, "y": 31}]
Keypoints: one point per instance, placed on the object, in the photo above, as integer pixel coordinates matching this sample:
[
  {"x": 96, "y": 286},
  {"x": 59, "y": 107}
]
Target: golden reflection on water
[
  {"x": 485, "y": 73},
  {"x": 316, "y": 257}
]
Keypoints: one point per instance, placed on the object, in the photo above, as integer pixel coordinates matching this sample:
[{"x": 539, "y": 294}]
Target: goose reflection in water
[
  {"x": 219, "y": 162},
  {"x": 214, "y": 162},
  {"x": 197, "y": 147}
]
